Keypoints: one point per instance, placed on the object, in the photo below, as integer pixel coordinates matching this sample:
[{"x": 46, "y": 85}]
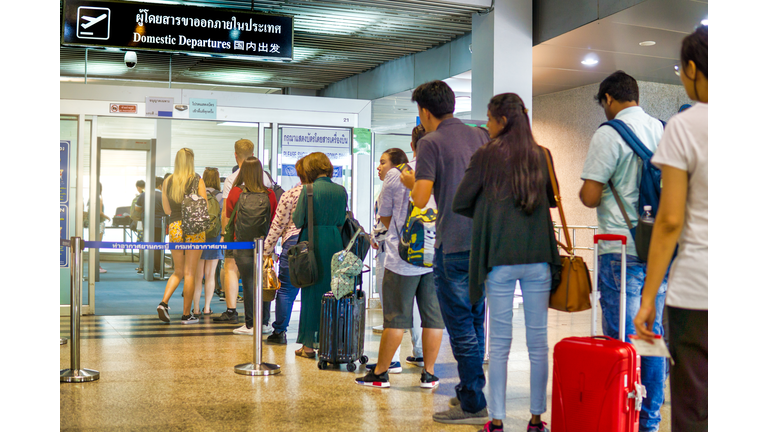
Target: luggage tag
[{"x": 657, "y": 348}]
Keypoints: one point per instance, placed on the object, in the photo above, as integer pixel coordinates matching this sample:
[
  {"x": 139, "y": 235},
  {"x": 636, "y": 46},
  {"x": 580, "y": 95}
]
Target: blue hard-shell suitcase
[{"x": 342, "y": 330}]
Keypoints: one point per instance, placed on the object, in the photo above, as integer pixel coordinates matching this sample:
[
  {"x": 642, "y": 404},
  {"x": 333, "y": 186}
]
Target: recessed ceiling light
[
  {"x": 648, "y": 43},
  {"x": 589, "y": 62},
  {"x": 705, "y": 22}
]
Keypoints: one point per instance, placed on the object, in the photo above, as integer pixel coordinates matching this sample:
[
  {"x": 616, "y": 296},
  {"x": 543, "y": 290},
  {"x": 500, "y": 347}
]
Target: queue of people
[{"x": 492, "y": 192}]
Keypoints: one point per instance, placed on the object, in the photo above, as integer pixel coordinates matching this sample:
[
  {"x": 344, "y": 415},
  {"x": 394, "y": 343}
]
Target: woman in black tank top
[{"x": 183, "y": 181}]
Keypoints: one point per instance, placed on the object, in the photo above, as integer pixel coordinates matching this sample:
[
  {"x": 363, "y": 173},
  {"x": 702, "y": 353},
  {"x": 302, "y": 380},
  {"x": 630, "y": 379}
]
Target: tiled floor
[{"x": 167, "y": 377}]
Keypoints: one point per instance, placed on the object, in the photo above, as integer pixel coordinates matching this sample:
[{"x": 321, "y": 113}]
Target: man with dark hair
[
  {"x": 618, "y": 86},
  {"x": 159, "y": 214},
  {"x": 610, "y": 159},
  {"x": 444, "y": 154}
]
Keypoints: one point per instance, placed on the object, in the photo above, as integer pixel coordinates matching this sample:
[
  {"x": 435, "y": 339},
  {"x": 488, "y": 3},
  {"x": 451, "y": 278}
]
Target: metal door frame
[{"x": 97, "y": 144}]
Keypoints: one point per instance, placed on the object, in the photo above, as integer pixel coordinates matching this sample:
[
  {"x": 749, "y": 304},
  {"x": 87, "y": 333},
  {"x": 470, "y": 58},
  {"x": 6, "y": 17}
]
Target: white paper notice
[{"x": 646, "y": 349}]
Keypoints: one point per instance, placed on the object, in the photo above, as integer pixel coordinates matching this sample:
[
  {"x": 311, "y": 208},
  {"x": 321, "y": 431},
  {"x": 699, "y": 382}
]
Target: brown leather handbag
[{"x": 571, "y": 291}]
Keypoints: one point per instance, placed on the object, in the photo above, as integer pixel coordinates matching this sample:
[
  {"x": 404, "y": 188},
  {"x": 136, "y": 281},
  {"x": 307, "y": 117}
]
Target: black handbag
[
  {"x": 348, "y": 231},
  {"x": 302, "y": 266}
]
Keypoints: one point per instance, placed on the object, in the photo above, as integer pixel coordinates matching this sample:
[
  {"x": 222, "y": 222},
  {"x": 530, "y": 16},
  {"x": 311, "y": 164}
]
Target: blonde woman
[{"x": 184, "y": 180}]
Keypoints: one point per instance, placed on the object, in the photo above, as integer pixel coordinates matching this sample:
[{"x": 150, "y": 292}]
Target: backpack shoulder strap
[{"x": 630, "y": 138}]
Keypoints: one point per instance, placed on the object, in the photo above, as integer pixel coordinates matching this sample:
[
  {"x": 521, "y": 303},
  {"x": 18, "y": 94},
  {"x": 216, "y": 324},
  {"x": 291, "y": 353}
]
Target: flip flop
[{"x": 301, "y": 353}]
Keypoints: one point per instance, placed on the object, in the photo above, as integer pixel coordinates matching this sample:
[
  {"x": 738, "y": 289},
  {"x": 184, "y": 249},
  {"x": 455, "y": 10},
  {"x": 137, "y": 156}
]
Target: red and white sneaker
[
  {"x": 428, "y": 380},
  {"x": 372, "y": 380}
]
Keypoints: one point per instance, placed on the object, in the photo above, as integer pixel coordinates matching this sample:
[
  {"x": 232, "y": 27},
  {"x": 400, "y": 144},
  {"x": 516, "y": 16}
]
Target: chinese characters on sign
[{"x": 163, "y": 27}]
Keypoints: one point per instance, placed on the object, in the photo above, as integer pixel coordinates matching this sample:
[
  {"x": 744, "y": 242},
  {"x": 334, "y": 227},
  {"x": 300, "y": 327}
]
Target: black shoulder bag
[{"x": 302, "y": 267}]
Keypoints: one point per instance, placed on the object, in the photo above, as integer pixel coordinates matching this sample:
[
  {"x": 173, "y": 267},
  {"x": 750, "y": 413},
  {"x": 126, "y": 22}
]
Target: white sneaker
[
  {"x": 243, "y": 330},
  {"x": 101, "y": 270},
  {"x": 266, "y": 329}
]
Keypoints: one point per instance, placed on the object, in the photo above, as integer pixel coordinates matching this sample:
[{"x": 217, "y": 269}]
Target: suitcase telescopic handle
[
  {"x": 623, "y": 298},
  {"x": 611, "y": 237}
]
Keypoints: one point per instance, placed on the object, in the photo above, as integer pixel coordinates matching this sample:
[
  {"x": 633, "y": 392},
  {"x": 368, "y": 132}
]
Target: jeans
[
  {"x": 287, "y": 293},
  {"x": 245, "y": 267},
  {"x": 464, "y": 322},
  {"x": 535, "y": 283},
  {"x": 653, "y": 370}
]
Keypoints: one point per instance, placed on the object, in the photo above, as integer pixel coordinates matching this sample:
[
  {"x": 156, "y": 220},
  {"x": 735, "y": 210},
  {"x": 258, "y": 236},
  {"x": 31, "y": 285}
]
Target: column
[{"x": 502, "y": 54}]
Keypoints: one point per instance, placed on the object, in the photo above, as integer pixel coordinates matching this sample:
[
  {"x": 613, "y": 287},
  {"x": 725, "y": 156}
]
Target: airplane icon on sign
[
  {"x": 95, "y": 20},
  {"x": 92, "y": 20}
]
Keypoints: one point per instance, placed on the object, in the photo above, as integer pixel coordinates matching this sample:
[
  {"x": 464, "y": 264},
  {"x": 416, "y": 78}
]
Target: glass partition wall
[{"x": 118, "y": 169}]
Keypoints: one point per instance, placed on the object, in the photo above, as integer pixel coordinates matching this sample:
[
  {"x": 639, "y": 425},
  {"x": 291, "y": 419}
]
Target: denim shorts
[{"x": 398, "y": 302}]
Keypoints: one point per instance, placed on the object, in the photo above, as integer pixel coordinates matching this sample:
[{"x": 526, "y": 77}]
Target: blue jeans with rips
[
  {"x": 464, "y": 322},
  {"x": 287, "y": 293},
  {"x": 653, "y": 370}
]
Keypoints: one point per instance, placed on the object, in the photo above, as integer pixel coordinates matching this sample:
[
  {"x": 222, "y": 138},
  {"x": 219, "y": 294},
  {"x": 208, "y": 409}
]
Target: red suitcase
[{"x": 596, "y": 380}]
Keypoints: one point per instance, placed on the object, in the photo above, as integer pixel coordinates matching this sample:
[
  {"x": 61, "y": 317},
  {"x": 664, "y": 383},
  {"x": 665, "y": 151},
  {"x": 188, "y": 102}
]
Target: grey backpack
[{"x": 194, "y": 210}]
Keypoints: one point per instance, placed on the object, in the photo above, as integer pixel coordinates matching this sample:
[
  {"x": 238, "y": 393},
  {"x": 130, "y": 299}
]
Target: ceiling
[
  {"x": 333, "y": 39},
  {"x": 613, "y": 41},
  {"x": 376, "y": 31}
]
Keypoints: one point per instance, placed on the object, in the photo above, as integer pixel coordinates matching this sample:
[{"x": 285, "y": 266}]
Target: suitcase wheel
[
  {"x": 322, "y": 365},
  {"x": 351, "y": 367},
  {"x": 364, "y": 359}
]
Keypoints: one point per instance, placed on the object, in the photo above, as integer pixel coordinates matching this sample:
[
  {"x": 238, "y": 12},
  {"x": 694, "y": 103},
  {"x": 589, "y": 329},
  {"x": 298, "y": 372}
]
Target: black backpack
[
  {"x": 253, "y": 216},
  {"x": 363, "y": 241},
  {"x": 275, "y": 188}
]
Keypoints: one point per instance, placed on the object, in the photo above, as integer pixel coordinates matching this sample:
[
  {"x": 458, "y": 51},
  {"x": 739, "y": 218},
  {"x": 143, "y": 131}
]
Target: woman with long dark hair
[
  {"x": 683, "y": 220},
  {"x": 507, "y": 192},
  {"x": 252, "y": 220}
]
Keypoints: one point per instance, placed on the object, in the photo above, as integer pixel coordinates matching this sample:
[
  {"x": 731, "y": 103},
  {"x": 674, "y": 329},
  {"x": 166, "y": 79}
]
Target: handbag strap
[
  {"x": 553, "y": 179},
  {"x": 231, "y": 220},
  {"x": 311, "y": 219},
  {"x": 621, "y": 204},
  {"x": 352, "y": 240}
]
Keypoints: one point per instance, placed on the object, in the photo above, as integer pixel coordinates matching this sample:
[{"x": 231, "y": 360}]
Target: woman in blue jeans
[
  {"x": 507, "y": 192},
  {"x": 283, "y": 228}
]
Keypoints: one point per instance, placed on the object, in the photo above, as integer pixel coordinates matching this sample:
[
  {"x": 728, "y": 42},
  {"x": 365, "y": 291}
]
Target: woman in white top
[{"x": 682, "y": 220}]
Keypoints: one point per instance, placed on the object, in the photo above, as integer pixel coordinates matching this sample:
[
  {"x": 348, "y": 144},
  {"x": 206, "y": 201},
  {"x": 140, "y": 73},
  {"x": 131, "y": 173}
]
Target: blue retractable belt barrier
[{"x": 162, "y": 246}]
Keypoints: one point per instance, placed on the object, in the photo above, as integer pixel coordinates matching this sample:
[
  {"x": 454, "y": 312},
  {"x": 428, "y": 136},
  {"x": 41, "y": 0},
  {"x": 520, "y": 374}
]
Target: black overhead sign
[{"x": 160, "y": 27}]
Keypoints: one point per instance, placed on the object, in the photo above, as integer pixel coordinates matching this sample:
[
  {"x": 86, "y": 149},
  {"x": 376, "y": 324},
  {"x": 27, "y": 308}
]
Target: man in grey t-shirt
[{"x": 444, "y": 154}]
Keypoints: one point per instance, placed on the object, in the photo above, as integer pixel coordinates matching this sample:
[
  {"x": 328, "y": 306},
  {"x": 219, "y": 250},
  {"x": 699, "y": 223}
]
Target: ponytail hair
[
  {"x": 183, "y": 169},
  {"x": 513, "y": 170},
  {"x": 695, "y": 49},
  {"x": 396, "y": 156}
]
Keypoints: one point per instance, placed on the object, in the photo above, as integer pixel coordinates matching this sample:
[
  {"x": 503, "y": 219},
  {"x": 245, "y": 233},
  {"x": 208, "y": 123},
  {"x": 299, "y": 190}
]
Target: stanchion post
[
  {"x": 257, "y": 367},
  {"x": 487, "y": 332},
  {"x": 74, "y": 373}
]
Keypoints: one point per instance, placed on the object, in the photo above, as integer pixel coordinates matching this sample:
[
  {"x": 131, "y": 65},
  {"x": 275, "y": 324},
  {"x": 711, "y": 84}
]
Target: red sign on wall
[{"x": 122, "y": 109}]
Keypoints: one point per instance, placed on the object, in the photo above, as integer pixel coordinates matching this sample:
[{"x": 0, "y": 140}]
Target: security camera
[{"x": 130, "y": 59}]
